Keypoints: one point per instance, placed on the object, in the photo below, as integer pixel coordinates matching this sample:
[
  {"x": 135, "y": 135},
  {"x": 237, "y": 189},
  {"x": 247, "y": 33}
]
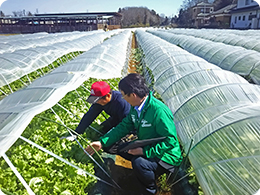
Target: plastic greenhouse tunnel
[
  {"x": 101, "y": 60},
  {"x": 248, "y": 39},
  {"x": 21, "y": 62},
  {"x": 244, "y": 62},
  {"x": 217, "y": 109}
]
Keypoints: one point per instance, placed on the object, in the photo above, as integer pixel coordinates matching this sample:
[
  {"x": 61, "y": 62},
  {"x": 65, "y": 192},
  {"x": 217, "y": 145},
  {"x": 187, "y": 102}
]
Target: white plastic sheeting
[
  {"x": 102, "y": 61},
  {"x": 233, "y": 58},
  {"x": 38, "y": 53},
  {"x": 217, "y": 109},
  {"x": 26, "y": 41},
  {"x": 249, "y": 39}
]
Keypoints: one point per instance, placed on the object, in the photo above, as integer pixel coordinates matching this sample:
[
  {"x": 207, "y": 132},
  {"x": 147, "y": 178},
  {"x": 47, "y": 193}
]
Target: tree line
[
  {"x": 144, "y": 17},
  {"x": 18, "y": 13},
  {"x": 139, "y": 17}
]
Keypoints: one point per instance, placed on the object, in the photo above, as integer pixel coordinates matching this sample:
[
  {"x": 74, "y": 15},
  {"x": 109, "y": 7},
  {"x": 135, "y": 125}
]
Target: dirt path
[
  {"x": 119, "y": 168},
  {"x": 132, "y": 62},
  {"x": 122, "y": 171}
]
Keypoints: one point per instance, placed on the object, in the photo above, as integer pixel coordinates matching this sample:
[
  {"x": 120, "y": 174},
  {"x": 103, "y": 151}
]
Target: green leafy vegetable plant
[{"x": 44, "y": 173}]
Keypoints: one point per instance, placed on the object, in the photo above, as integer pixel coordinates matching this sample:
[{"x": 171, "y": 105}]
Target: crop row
[
  {"x": 44, "y": 173},
  {"x": 43, "y": 97}
]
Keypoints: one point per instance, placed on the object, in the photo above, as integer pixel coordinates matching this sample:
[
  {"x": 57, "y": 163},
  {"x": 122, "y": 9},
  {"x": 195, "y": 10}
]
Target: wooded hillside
[{"x": 139, "y": 16}]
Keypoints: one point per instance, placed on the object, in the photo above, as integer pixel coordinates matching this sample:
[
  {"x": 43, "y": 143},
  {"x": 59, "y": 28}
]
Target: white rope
[{"x": 30, "y": 192}]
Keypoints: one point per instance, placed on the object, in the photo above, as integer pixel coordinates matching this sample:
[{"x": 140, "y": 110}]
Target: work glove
[{"x": 70, "y": 137}]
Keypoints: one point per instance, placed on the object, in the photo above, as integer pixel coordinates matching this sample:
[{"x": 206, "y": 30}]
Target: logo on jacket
[
  {"x": 145, "y": 123},
  {"x": 133, "y": 118}
]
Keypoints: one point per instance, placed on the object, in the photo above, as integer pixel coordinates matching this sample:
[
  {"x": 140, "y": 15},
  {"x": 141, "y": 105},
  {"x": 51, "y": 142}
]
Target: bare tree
[
  {"x": 2, "y": 14},
  {"x": 139, "y": 16},
  {"x": 186, "y": 4},
  {"x": 17, "y": 13},
  {"x": 29, "y": 13},
  {"x": 184, "y": 19}
]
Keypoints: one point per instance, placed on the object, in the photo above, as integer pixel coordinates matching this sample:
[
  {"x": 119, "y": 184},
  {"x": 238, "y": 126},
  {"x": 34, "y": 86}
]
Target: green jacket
[{"x": 156, "y": 120}]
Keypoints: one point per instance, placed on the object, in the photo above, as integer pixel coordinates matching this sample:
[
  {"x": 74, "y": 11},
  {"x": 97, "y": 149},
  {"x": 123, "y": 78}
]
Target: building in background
[
  {"x": 200, "y": 14},
  {"x": 246, "y": 15},
  {"x": 61, "y": 22},
  {"x": 221, "y": 18}
]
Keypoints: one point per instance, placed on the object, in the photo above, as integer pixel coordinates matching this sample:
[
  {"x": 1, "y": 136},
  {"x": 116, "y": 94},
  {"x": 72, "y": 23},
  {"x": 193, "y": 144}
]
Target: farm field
[{"x": 210, "y": 83}]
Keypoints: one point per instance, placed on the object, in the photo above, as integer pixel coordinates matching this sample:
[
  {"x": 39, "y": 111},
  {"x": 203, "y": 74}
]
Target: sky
[{"x": 166, "y": 7}]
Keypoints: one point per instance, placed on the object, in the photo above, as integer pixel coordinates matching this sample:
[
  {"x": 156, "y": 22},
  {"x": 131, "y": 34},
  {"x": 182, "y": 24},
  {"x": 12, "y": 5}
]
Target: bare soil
[{"x": 132, "y": 62}]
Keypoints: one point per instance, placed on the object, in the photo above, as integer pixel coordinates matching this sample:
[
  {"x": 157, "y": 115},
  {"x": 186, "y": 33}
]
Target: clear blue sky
[{"x": 167, "y": 7}]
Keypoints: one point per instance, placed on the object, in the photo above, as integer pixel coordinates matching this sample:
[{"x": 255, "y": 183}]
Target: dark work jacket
[{"x": 117, "y": 108}]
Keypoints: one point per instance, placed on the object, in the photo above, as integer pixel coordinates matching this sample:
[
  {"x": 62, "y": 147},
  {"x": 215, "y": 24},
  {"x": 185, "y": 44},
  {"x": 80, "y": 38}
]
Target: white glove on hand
[{"x": 70, "y": 138}]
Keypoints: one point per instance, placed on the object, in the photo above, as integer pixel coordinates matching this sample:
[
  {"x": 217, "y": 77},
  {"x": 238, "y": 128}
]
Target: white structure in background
[
  {"x": 246, "y": 15},
  {"x": 200, "y": 13}
]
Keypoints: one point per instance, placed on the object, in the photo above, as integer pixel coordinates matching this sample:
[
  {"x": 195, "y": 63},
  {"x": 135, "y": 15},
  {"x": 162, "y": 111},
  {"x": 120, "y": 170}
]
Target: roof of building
[
  {"x": 245, "y": 9},
  {"x": 67, "y": 15},
  {"x": 80, "y": 14},
  {"x": 225, "y": 10},
  {"x": 203, "y": 14},
  {"x": 204, "y": 4}
]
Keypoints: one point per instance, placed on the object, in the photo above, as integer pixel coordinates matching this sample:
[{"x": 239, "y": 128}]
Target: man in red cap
[
  {"x": 103, "y": 98},
  {"x": 98, "y": 90}
]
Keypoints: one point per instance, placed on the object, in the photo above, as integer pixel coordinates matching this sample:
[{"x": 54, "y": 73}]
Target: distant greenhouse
[{"x": 245, "y": 62}]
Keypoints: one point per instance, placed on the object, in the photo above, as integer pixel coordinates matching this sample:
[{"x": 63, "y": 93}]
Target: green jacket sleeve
[{"x": 116, "y": 133}]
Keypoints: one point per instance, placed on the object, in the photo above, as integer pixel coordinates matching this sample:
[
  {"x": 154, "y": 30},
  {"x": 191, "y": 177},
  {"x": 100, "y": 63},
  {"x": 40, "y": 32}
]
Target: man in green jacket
[{"x": 152, "y": 119}]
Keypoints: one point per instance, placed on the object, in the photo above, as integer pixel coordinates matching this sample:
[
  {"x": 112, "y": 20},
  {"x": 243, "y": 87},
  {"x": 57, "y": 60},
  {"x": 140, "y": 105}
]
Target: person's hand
[
  {"x": 97, "y": 145},
  {"x": 136, "y": 151},
  {"x": 70, "y": 138}
]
